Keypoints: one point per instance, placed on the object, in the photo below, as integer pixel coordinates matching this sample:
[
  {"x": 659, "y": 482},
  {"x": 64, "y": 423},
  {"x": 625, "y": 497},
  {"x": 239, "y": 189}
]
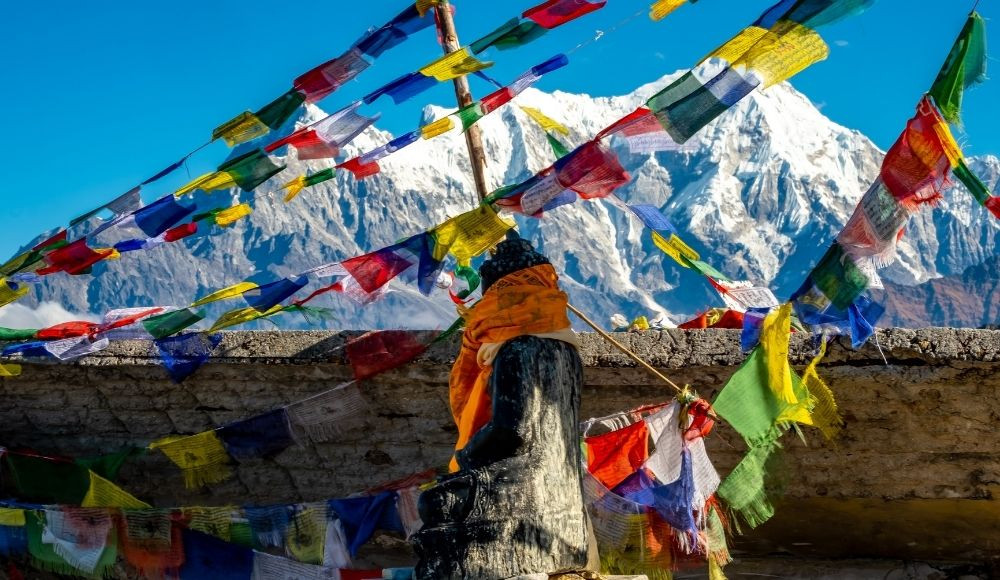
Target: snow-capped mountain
[{"x": 760, "y": 193}]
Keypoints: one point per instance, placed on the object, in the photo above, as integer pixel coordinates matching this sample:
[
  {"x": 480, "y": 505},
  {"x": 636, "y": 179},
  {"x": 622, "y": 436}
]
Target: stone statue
[{"x": 515, "y": 507}]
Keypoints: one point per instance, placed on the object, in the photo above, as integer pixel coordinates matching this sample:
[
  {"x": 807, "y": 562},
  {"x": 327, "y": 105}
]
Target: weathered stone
[{"x": 515, "y": 508}]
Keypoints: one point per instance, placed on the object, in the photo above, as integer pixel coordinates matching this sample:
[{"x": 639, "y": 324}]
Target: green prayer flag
[
  {"x": 510, "y": 35},
  {"x": 839, "y": 278},
  {"x": 251, "y": 169},
  {"x": 685, "y": 106},
  {"x": 241, "y": 534},
  {"x": 320, "y": 176},
  {"x": 15, "y": 334},
  {"x": 275, "y": 113},
  {"x": 26, "y": 261},
  {"x": 558, "y": 148},
  {"x": 469, "y": 114},
  {"x": 48, "y": 480},
  {"x": 975, "y": 185},
  {"x": 452, "y": 330},
  {"x": 108, "y": 466},
  {"x": 744, "y": 490},
  {"x": 965, "y": 66},
  {"x": 706, "y": 269},
  {"x": 164, "y": 325}
]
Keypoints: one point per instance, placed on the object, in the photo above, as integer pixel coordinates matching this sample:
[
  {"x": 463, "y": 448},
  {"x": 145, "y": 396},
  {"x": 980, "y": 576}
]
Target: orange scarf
[{"x": 526, "y": 302}]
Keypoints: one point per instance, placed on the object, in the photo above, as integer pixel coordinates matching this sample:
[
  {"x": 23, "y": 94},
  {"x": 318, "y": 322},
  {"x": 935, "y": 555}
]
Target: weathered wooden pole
[{"x": 473, "y": 136}]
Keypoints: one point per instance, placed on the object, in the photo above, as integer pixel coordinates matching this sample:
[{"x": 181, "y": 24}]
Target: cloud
[
  {"x": 841, "y": 43},
  {"x": 46, "y": 314},
  {"x": 660, "y": 55}
]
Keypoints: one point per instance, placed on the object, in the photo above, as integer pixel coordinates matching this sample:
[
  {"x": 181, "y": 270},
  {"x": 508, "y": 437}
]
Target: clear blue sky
[{"x": 99, "y": 95}]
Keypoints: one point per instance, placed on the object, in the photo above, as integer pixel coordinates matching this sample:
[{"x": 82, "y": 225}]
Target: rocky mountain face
[{"x": 760, "y": 193}]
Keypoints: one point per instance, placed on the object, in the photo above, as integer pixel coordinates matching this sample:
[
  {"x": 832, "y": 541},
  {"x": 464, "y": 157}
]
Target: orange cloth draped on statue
[{"x": 526, "y": 302}]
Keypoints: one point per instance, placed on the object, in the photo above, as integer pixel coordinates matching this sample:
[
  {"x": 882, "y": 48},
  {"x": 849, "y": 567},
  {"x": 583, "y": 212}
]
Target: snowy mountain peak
[{"x": 760, "y": 193}]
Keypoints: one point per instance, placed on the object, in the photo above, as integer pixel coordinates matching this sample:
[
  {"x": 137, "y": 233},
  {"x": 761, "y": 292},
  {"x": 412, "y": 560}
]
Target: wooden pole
[{"x": 473, "y": 137}]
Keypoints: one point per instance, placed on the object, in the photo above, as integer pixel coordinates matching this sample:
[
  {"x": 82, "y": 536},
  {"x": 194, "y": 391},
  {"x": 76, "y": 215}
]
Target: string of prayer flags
[
  {"x": 691, "y": 102},
  {"x": 555, "y": 13},
  {"x": 128, "y": 202},
  {"x": 403, "y": 88},
  {"x": 326, "y": 78},
  {"x": 169, "y": 323},
  {"x": 296, "y": 186},
  {"x": 242, "y": 128}
]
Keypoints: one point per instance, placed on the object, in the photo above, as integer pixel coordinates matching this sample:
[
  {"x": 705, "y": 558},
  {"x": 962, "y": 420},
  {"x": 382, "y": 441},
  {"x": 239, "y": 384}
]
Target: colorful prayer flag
[
  {"x": 453, "y": 65},
  {"x": 330, "y": 76},
  {"x": 240, "y": 129},
  {"x": 251, "y": 169},
  {"x": 555, "y": 13}
]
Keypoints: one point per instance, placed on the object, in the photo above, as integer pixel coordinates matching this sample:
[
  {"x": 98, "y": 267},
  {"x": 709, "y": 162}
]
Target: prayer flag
[
  {"x": 545, "y": 122},
  {"x": 209, "y": 182},
  {"x": 453, "y": 65},
  {"x": 362, "y": 516},
  {"x": 374, "y": 270},
  {"x": 675, "y": 247},
  {"x": 11, "y": 292},
  {"x": 225, "y": 293},
  {"x": 688, "y": 105},
  {"x": 390, "y": 148},
  {"x": 403, "y": 88},
  {"x": 231, "y": 215},
  {"x": 469, "y": 234},
  {"x": 437, "y": 128},
  {"x": 744, "y": 490},
  {"x": 965, "y": 66},
  {"x": 839, "y": 278},
  {"x": 360, "y": 170},
  {"x": 164, "y": 325},
  {"x": 328, "y": 414},
  {"x": 555, "y": 13},
  {"x": 264, "y": 298},
  {"x": 251, "y": 169},
  {"x": 202, "y": 457},
  {"x": 261, "y": 436},
  {"x": 378, "y": 351},
  {"x": 275, "y": 113},
  {"x": 307, "y": 144},
  {"x": 662, "y": 8},
  {"x": 592, "y": 171},
  {"x": 103, "y": 493},
  {"x": 161, "y": 215},
  {"x": 240, "y": 129},
  {"x": 511, "y": 34},
  {"x": 125, "y": 203},
  {"x": 652, "y": 217},
  {"x": 74, "y": 259},
  {"x": 242, "y": 316},
  {"x": 206, "y": 557},
  {"x": 785, "y": 50},
  {"x": 295, "y": 186},
  {"x": 184, "y": 354},
  {"x": 330, "y": 76},
  {"x": 615, "y": 455}
]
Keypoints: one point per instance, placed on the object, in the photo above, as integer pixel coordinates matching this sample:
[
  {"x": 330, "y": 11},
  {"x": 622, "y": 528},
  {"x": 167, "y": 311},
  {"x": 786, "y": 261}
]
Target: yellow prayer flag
[
  {"x": 676, "y": 249},
  {"x": 825, "y": 415},
  {"x": 308, "y": 541},
  {"x": 450, "y": 66},
  {"x": 437, "y": 128},
  {"x": 469, "y": 235},
  {"x": 786, "y": 50},
  {"x": 424, "y": 5},
  {"x": 202, "y": 457},
  {"x": 662, "y": 8},
  {"x": 11, "y": 517},
  {"x": 737, "y": 46},
  {"x": 774, "y": 341},
  {"x": 227, "y": 292},
  {"x": 240, "y": 129},
  {"x": 948, "y": 143},
  {"x": 10, "y": 370},
  {"x": 546, "y": 122},
  {"x": 242, "y": 316},
  {"x": 104, "y": 494},
  {"x": 208, "y": 182},
  {"x": 8, "y": 294},
  {"x": 214, "y": 521},
  {"x": 231, "y": 215},
  {"x": 294, "y": 187}
]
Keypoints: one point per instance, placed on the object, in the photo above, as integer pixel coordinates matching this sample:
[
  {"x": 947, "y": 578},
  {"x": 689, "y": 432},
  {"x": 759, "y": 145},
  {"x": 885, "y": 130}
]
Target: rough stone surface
[{"x": 915, "y": 476}]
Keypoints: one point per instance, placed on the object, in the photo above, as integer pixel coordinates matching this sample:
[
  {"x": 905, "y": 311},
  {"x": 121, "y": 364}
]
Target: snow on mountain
[{"x": 761, "y": 192}]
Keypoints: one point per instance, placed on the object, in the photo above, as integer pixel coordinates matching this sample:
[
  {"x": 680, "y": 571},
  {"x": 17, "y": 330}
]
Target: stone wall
[{"x": 914, "y": 476}]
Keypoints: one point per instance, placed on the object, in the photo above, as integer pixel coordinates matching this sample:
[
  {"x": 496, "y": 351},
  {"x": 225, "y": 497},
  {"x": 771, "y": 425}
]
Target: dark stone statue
[{"x": 516, "y": 507}]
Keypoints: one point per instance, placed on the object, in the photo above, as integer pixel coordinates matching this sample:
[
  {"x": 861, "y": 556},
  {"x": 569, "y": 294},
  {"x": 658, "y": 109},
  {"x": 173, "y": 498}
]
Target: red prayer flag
[
  {"x": 308, "y": 144},
  {"x": 67, "y": 330},
  {"x": 329, "y": 76},
  {"x": 917, "y": 166},
  {"x": 58, "y": 237},
  {"x": 555, "y": 13},
  {"x": 74, "y": 258},
  {"x": 180, "y": 232},
  {"x": 496, "y": 99},
  {"x": 729, "y": 319},
  {"x": 376, "y": 352},
  {"x": 374, "y": 270},
  {"x": 593, "y": 171},
  {"x": 360, "y": 170},
  {"x": 638, "y": 122},
  {"x": 614, "y": 456}
]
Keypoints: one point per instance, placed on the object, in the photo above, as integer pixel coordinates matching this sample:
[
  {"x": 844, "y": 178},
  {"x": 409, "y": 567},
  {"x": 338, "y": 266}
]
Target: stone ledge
[{"x": 671, "y": 349}]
